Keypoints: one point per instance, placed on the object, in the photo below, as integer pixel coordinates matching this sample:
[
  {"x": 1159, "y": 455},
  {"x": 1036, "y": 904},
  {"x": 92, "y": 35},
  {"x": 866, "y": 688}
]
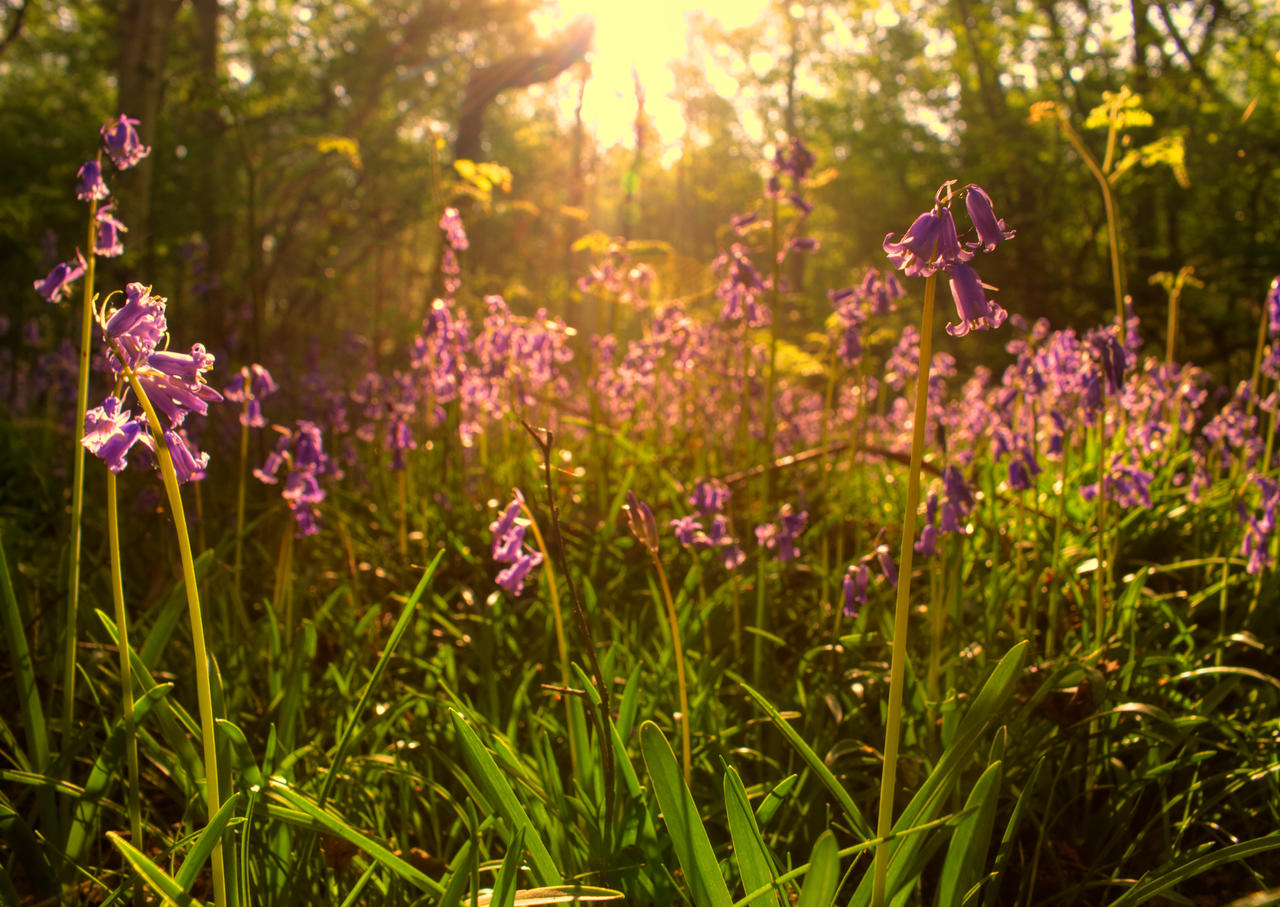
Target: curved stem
[
  {"x": 201, "y": 651},
  {"x": 686, "y": 747},
  {"x": 902, "y": 607},
  {"x": 77, "y": 491}
]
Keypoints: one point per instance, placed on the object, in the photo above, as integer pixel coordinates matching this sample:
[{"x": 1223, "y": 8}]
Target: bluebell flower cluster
[
  {"x": 120, "y": 141},
  {"x": 300, "y": 451},
  {"x": 931, "y": 244},
  {"x": 173, "y": 382},
  {"x": 710, "y": 499},
  {"x": 509, "y": 547}
]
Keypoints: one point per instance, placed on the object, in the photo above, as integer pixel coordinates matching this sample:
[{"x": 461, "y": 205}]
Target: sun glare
[{"x": 644, "y": 37}]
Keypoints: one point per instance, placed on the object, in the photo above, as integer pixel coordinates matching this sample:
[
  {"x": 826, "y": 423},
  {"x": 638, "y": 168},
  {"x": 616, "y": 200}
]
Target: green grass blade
[
  {"x": 824, "y": 873},
  {"x": 160, "y": 881},
  {"x": 755, "y": 867},
  {"x": 104, "y": 771},
  {"x": 1010, "y": 835},
  {"x": 27, "y": 852},
  {"x": 680, "y": 813},
  {"x": 397, "y": 633},
  {"x": 200, "y": 852},
  {"x": 338, "y": 827},
  {"x": 23, "y": 669},
  {"x": 768, "y": 807},
  {"x": 815, "y": 763},
  {"x": 928, "y": 801},
  {"x": 1148, "y": 887},
  {"x": 504, "y": 885},
  {"x": 969, "y": 842},
  {"x": 461, "y": 867},
  {"x": 494, "y": 787}
]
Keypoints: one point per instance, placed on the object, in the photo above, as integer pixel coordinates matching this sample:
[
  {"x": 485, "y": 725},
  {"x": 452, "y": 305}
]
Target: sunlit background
[{"x": 644, "y": 38}]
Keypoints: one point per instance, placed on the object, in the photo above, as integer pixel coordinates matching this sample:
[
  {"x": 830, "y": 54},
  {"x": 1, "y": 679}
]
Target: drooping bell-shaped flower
[
  {"x": 120, "y": 138},
  {"x": 110, "y": 431},
  {"x": 58, "y": 282},
  {"x": 91, "y": 185},
  {"x": 108, "y": 243},
  {"x": 991, "y": 230},
  {"x": 977, "y": 313}
]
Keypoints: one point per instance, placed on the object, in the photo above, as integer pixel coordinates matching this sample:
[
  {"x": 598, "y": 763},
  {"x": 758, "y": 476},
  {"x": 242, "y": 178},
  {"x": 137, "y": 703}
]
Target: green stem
[
  {"x": 686, "y": 747},
  {"x": 238, "y": 557},
  {"x": 562, "y": 645},
  {"x": 897, "y": 667},
  {"x": 1109, "y": 205},
  {"x": 201, "y": 651},
  {"x": 134, "y": 800},
  {"x": 77, "y": 492}
]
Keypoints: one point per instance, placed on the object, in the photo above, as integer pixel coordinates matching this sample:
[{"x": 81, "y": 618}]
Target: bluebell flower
[
  {"x": 977, "y": 313},
  {"x": 91, "y": 186},
  {"x": 110, "y": 431},
  {"x": 991, "y": 230},
  {"x": 120, "y": 138},
  {"x": 108, "y": 243},
  {"x": 58, "y": 282}
]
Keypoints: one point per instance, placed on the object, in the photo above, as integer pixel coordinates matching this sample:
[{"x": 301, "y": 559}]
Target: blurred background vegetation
[{"x": 306, "y": 149}]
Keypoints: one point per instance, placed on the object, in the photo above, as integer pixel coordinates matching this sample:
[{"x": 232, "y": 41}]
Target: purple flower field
[{"x": 490, "y": 555}]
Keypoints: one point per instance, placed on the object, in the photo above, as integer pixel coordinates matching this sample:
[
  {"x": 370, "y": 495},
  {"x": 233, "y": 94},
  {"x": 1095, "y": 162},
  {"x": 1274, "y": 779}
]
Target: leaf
[
  {"x": 504, "y": 886},
  {"x": 341, "y": 145},
  {"x": 1149, "y": 886},
  {"x": 397, "y": 633},
  {"x": 932, "y": 795},
  {"x": 160, "y": 881},
  {"x": 755, "y": 867},
  {"x": 338, "y": 827},
  {"x": 680, "y": 814},
  {"x": 205, "y": 843},
  {"x": 24, "y": 671},
  {"x": 815, "y": 763},
  {"x": 502, "y": 799},
  {"x": 824, "y": 873},
  {"x": 531, "y": 897},
  {"x": 969, "y": 842}
]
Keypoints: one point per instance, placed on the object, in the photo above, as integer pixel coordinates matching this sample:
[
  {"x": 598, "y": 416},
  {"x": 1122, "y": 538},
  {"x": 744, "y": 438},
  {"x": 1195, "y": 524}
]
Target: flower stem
[
  {"x": 902, "y": 607},
  {"x": 562, "y": 646},
  {"x": 77, "y": 492},
  {"x": 201, "y": 651},
  {"x": 686, "y": 748},
  {"x": 134, "y": 800}
]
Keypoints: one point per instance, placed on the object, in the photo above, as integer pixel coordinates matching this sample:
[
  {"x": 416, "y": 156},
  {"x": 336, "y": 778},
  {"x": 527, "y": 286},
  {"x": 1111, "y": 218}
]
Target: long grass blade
[
  {"x": 494, "y": 787},
  {"x": 815, "y": 763},
  {"x": 755, "y": 866},
  {"x": 680, "y": 814},
  {"x": 819, "y": 888},
  {"x": 160, "y": 881}
]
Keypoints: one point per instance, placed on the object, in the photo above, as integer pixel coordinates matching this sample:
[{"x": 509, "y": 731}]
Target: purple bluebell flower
[
  {"x": 688, "y": 531},
  {"x": 640, "y": 519},
  {"x": 110, "y": 431},
  {"x": 887, "y": 566},
  {"x": 781, "y": 534},
  {"x": 1256, "y": 546},
  {"x": 512, "y": 577},
  {"x": 249, "y": 386},
  {"x": 58, "y": 282},
  {"x": 977, "y": 313},
  {"x": 138, "y": 325},
  {"x": 91, "y": 186},
  {"x": 508, "y": 547},
  {"x": 120, "y": 138},
  {"x": 927, "y": 544},
  {"x": 710, "y": 496},
  {"x": 855, "y": 588},
  {"x": 454, "y": 233},
  {"x": 188, "y": 462},
  {"x": 991, "y": 230},
  {"x": 108, "y": 243}
]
